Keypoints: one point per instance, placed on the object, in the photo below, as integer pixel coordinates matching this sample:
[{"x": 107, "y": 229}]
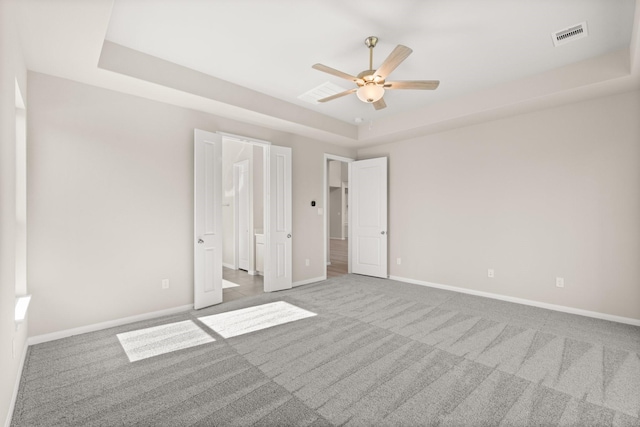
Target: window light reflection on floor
[
  {"x": 22, "y": 304},
  {"x": 144, "y": 343},
  {"x": 251, "y": 319},
  {"x": 227, "y": 284}
]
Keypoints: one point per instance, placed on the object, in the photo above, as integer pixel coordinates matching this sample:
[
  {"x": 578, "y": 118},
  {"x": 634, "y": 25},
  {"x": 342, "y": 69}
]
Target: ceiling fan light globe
[{"x": 370, "y": 93}]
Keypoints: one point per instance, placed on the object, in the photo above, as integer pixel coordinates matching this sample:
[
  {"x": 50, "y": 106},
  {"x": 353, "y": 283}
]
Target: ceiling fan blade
[
  {"x": 413, "y": 84},
  {"x": 338, "y": 95},
  {"x": 335, "y": 72},
  {"x": 379, "y": 104},
  {"x": 399, "y": 54}
]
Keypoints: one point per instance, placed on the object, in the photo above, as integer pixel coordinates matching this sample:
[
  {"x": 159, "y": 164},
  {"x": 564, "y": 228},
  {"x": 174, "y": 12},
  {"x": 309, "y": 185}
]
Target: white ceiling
[{"x": 253, "y": 57}]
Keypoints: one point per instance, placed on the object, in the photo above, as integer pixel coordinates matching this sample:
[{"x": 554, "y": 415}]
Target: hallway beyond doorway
[
  {"x": 248, "y": 285},
  {"x": 338, "y": 250}
]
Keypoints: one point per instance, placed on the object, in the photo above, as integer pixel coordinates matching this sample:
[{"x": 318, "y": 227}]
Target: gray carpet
[{"x": 378, "y": 352}]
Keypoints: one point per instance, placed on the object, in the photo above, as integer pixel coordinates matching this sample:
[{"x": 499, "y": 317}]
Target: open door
[
  {"x": 207, "y": 219},
  {"x": 368, "y": 217},
  {"x": 278, "y": 271}
]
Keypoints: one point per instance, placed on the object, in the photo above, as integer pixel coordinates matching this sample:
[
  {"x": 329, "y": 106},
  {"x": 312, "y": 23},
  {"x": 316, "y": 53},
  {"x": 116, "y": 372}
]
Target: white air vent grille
[
  {"x": 570, "y": 34},
  {"x": 322, "y": 91}
]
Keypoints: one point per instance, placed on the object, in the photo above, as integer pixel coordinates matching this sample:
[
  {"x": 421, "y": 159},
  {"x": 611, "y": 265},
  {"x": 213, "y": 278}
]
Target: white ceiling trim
[
  {"x": 540, "y": 91},
  {"x": 126, "y": 61}
]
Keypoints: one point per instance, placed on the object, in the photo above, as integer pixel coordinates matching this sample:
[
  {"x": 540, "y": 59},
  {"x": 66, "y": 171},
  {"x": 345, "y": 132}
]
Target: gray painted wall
[
  {"x": 535, "y": 196},
  {"x": 111, "y": 202}
]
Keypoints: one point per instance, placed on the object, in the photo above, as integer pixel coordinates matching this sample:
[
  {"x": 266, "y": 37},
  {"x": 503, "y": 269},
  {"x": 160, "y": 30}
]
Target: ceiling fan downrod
[{"x": 371, "y": 42}]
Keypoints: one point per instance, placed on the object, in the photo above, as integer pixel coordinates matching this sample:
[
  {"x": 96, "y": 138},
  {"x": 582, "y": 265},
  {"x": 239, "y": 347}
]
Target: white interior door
[
  {"x": 368, "y": 217},
  {"x": 207, "y": 219},
  {"x": 278, "y": 272},
  {"x": 242, "y": 212}
]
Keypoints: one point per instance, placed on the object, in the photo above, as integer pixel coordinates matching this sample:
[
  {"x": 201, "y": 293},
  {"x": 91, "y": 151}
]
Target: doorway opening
[
  {"x": 336, "y": 224},
  {"x": 208, "y": 230},
  {"x": 243, "y": 178}
]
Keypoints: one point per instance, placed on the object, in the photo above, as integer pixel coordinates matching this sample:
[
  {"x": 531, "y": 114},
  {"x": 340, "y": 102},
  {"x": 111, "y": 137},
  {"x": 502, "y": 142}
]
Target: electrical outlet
[
  {"x": 490, "y": 273},
  {"x": 399, "y": 261},
  {"x": 306, "y": 262},
  {"x": 165, "y": 283},
  {"x": 560, "y": 282}
]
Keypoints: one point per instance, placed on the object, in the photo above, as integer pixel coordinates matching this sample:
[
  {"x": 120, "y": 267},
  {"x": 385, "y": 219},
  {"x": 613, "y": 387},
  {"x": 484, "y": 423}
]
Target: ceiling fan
[{"x": 371, "y": 83}]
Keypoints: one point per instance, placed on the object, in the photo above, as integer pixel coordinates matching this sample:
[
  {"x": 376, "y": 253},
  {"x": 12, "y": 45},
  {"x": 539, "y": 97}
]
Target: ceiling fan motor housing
[{"x": 369, "y": 76}]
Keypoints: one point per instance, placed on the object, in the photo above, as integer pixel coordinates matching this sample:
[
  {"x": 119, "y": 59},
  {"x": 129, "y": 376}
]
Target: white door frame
[
  {"x": 325, "y": 211},
  {"x": 237, "y": 213}
]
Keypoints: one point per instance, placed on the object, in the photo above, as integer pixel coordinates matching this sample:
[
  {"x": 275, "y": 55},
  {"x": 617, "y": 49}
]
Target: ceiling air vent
[
  {"x": 570, "y": 34},
  {"x": 322, "y": 91}
]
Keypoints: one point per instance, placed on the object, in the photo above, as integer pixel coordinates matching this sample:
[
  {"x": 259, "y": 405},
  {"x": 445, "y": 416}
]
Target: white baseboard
[
  {"x": 105, "y": 325},
  {"x": 562, "y": 308},
  {"x": 252, "y": 272},
  {"x": 307, "y": 281},
  {"x": 16, "y": 386},
  {"x": 231, "y": 266}
]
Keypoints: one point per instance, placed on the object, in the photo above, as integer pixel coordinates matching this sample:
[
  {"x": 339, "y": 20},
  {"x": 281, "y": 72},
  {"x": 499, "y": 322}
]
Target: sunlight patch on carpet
[
  {"x": 144, "y": 343},
  {"x": 243, "y": 321}
]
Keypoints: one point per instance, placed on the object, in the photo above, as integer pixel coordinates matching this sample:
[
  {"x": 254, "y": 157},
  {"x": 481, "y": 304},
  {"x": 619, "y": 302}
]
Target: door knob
[
  {"x": 200, "y": 241},
  {"x": 288, "y": 236},
  {"x": 382, "y": 232}
]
